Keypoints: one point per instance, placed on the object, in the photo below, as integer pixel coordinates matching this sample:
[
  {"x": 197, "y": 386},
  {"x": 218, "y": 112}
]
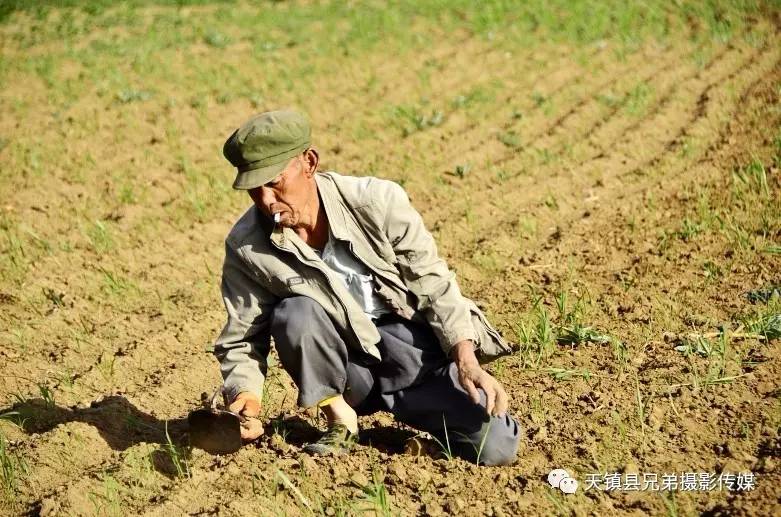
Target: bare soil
[{"x": 609, "y": 177}]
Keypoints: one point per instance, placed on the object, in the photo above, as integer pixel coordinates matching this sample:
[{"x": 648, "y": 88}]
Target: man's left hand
[{"x": 472, "y": 376}]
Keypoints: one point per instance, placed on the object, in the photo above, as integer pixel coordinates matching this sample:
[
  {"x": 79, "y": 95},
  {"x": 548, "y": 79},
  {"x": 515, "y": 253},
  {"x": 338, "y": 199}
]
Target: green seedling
[
  {"x": 115, "y": 284},
  {"x": 640, "y": 406},
  {"x": 376, "y": 495},
  {"x": 527, "y": 227},
  {"x": 550, "y": 199},
  {"x": 511, "y": 139},
  {"x": 462, "y": 170},
  {"x": 737, "y": 233},
  {"x": 539, "y": 99},
  {"x": 10, "y": 416},
  {"x": 561, "y": 305},
  {"x": 537, "y": 337},
  {"x": 129, "y": 95},
  {"x": 712, "y": 270},
  {"x": 698, "y": 345},
  {"x": 280, "y": 428},
  {"x": 752, "y": 177},
  {"x": 499, "y": 369},
  {"x": 177, "y": 455},
  {"x": 285, "y": 481},
  {"x": 638, "y": 99},
  {"x": 100, "y": 237},
  {"x": 413, "y": 119},
  {"x": 577, "y": 333},
  {"x": 106, "y": 366},
  {"x": 46, "y": 394},
  {"x": 40, "y": 242},
  {"x": 217, "y": 39},
  {"x": 57, "y": 299},
  {"x": 543, "y": 330},
  {"x": 619, "y": 350},
  {"x": 545, "y": 157},
  {"x": 767, "y": 325},
  {"x": 107, "y": 503},
  {"x": 140, "y": 462},
  {"x": 555, "y": 497},
  {"x": 619, "y": 423},
  {"x": 11, "y": 468},
  {"x": 669, "y": 503},
  {"x": 526, "y": 345},
  {"x": 482, "y": 441},
  {"x": 565, "y": 374},
  {"x": 272, "y": 381},
  {"x": 689, "y": 229},
  {"x": 444, "y": 447},
  {"x": 609, "y": 100},
  {"x": 127, "y": 194},
  {"x": 475, "y": 96}
]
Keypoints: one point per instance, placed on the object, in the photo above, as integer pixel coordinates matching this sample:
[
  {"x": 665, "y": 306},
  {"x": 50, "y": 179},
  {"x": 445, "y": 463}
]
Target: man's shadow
[
  {"x": 118, "y": 421},
  {"x": 122, "y": 425}
]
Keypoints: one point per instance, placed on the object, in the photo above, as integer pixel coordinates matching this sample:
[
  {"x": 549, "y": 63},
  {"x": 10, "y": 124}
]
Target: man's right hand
[{"x": 247, "y": 405}]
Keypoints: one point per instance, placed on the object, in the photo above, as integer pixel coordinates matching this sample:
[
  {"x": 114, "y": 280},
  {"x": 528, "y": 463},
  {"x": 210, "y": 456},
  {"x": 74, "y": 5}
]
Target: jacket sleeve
[
  {"x": 424, "y": 272},
  {"x": 244, "y": 343}
]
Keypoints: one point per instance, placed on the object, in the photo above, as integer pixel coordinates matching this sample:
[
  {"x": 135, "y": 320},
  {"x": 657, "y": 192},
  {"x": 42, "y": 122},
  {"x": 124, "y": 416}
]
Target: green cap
[{"x": 261, "y": 148}]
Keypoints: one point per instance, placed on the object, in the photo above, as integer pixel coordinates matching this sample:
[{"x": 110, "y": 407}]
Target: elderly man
[{"x": 363, "y": 313}]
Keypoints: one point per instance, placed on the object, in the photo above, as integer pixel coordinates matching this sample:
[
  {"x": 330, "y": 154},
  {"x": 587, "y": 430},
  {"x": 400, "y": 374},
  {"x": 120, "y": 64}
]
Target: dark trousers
[{"x": 414, "y": 381}]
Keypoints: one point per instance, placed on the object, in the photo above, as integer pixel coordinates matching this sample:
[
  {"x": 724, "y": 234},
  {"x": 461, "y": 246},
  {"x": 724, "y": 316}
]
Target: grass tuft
[
  {"x": 11, "y": 468},
  {"x": 177, "y": 455},
  {"x": 376, "y": 495}
]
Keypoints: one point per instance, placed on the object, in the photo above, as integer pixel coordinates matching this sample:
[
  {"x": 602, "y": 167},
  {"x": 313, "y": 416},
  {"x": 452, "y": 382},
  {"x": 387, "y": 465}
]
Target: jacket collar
[
  {"x": 343, "y": 226},
  {"x": 334, "y": 210}
]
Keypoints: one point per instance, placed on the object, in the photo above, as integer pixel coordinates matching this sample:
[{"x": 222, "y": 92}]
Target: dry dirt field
[{"x": 602, "y": 176}]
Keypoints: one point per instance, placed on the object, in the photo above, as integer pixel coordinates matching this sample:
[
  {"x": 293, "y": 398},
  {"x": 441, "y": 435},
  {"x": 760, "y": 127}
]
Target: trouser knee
[
  {"x": 294, "y": 318},
  {"x": 295, "y": 322},
  {"x": 311, "y": 350},
  {"x": 500, "y": 443},
  {"x": 442, "y": 407}
]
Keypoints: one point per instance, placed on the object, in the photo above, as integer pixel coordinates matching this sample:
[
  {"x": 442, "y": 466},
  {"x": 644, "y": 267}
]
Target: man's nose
[{"x": 267, "y": 196}]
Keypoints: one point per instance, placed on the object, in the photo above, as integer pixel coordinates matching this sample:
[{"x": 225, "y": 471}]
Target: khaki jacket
[{"x": 265, "y": 263}]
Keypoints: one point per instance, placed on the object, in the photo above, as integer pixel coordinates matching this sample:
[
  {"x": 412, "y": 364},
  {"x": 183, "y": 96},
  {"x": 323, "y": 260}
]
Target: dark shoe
[{"x": 336, "y": 440}]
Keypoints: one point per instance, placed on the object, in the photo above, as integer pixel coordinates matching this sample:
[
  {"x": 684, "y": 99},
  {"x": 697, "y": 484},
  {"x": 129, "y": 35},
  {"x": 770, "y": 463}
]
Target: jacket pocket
[
  {"x": 492, "y": 345},
  {"x": 394, "y": 299}
]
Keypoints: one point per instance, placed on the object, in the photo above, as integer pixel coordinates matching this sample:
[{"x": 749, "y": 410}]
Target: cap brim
[{"x": 256, "y": 177}]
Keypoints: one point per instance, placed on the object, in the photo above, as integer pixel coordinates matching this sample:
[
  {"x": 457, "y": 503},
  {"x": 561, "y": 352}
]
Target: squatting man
[{"x": 364, "y": 315}]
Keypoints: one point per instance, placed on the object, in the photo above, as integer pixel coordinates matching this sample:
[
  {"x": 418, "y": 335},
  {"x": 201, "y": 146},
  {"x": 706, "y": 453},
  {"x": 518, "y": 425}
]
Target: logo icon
[{"x": 560, "y": 478}]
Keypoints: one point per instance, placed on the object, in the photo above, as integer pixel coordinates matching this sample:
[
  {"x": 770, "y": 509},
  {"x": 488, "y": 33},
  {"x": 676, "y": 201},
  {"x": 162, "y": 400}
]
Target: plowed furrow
[
  {"x": 699, "y": 112},
  {"x": 569, "y": 186}
]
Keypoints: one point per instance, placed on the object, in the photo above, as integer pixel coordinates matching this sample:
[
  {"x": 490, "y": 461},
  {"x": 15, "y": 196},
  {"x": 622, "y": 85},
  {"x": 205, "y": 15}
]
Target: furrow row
[
  {"x": 625, "y": 139},
  {"x": 672, "y": 145}
]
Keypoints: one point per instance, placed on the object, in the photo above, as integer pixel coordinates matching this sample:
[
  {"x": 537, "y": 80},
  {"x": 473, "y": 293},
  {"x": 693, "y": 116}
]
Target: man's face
[{"x": 287, "y": 194}]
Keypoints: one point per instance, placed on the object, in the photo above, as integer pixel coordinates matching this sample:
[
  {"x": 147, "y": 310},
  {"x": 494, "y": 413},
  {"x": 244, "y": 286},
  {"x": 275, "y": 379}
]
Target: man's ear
[{"x": 311, "y": 159}]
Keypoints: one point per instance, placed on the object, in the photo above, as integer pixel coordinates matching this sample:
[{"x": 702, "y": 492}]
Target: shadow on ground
[
  {"x": 122, "y": 425},
  {"x": 118, "y": 421}
]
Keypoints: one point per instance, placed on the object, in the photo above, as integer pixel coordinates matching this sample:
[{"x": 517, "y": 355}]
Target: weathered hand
[
  {"x": 247, "y": 405},
  {"x": 472, "y": 376}
]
